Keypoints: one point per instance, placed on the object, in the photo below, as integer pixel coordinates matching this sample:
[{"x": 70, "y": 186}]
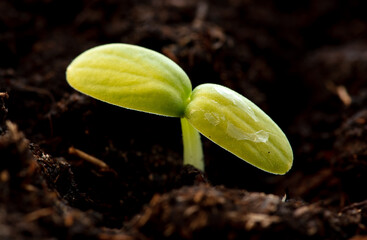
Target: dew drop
[
  {"x": 239, "y": 134},
  {"x": 214, "y": 118}
]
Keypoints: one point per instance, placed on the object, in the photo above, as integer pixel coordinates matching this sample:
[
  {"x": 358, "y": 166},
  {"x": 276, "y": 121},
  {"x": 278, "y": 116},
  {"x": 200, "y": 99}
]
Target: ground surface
[{"x": 303, "y": 62}]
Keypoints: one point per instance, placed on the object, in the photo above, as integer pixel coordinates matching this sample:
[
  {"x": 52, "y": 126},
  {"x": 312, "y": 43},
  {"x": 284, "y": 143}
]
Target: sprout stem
[{"x": 193, "y": 151}]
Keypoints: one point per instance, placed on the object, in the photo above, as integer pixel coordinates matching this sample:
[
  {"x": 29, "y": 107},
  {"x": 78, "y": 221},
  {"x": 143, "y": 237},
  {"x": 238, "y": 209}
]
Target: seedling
[{"x": 137, "y": 78}]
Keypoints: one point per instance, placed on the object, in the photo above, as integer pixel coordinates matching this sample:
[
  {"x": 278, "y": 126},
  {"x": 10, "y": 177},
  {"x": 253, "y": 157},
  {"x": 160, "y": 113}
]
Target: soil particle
[
  {"x": 350, "y": 163},
  {"x": 29, "y": 209},
  {"x": 216, "y": 212}
]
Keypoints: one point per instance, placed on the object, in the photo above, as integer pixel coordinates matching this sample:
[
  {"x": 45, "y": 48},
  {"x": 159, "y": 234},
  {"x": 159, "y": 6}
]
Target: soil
[{"x": 72, "y": 167}]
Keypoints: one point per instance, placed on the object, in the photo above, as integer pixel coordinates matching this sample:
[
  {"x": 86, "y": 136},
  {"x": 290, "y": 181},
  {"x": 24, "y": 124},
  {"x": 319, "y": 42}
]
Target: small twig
[
  {"x": 43, "y": 212},
  {"x": 4, "y": 95},
  {"x": 87, "y": 157},
  {"x": 343, "y": 95},
  {"x": 341, "y": 91},
  {"x": 357, "y": 205},
  {"x": 38, "y": 90}
]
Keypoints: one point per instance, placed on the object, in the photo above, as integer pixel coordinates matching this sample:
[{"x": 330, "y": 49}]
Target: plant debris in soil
[{"x": 72, "y": 167}]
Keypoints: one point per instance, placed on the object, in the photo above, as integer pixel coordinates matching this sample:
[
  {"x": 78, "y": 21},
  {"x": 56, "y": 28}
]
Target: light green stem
[{"x": 193, "y": 151}]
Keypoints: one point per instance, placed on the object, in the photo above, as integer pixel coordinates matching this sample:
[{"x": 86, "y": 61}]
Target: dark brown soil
[{"x": 303, "y": 62}]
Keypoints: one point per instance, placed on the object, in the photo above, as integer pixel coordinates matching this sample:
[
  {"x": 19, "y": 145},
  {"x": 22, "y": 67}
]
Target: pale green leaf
[
  {"x": 239, "y": 126},
  {"x": 132, "y": 77}
]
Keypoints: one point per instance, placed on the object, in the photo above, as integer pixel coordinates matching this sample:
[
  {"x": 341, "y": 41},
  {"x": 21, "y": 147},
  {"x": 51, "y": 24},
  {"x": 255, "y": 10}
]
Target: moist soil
[{"x": 72, "y": 167}]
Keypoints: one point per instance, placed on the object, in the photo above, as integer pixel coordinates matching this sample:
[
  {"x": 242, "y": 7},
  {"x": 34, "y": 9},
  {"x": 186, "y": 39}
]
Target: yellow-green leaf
[
  {"x": 239, "y": 126},
  {"x": 132, "y": 77}
]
